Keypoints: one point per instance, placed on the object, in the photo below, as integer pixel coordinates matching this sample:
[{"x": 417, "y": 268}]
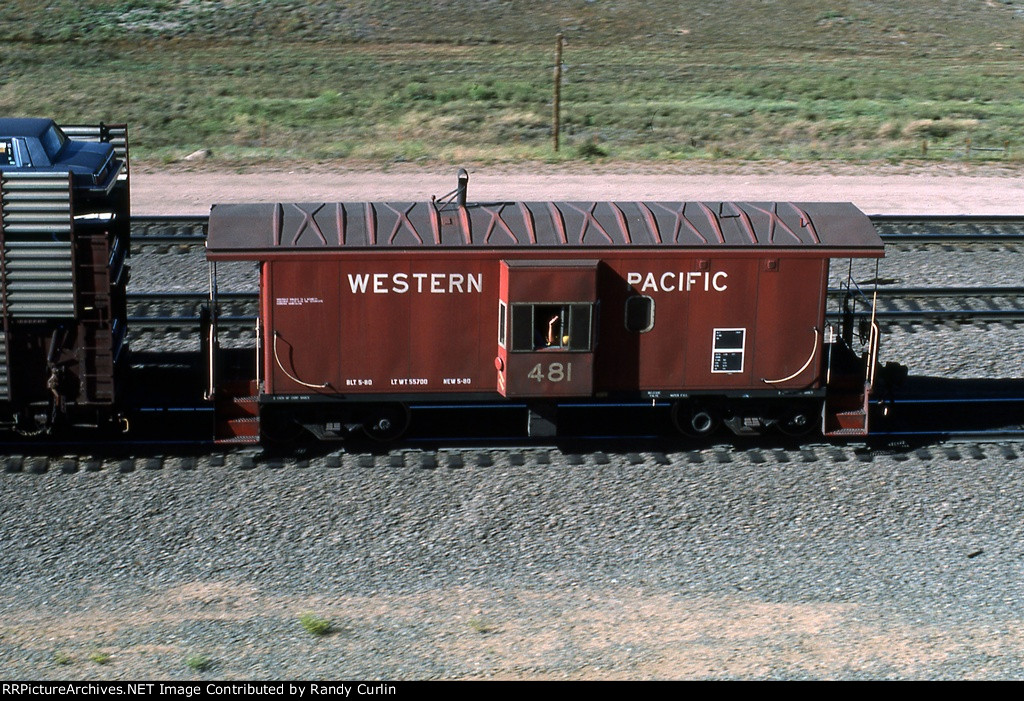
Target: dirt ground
[{"x": 953, "y": 188}]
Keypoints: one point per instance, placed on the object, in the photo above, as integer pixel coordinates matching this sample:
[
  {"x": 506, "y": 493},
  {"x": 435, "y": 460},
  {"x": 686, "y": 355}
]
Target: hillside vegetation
[{"x": 471, "y": 81}]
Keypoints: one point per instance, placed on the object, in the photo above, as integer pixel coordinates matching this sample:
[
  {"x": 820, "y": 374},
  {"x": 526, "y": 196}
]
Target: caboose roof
[{"x": 254, "y": 231}]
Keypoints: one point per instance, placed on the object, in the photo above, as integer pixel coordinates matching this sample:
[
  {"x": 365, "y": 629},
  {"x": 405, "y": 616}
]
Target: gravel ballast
[
  {"x": 830, "y": 562},
  {"x": 826, "y": 562}
]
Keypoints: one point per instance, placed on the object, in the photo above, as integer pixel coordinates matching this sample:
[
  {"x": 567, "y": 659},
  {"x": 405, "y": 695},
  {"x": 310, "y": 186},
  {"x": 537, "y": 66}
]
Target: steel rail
[
  {"x": 885, "y": 315},
  {"x": 161, "y": 298},
  {"x": 965, "y": 292},
  {"x": 908, "y": 315},
  {"x": 239, "y": 318},
  {"x": 916, "y": 228}
]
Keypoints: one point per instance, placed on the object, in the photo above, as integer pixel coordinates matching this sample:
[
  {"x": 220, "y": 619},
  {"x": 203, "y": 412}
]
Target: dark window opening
[
  {"x": 549, "y": 326},
  {"x": 522, "y": 327},
  {"x": 580, "y": 322},
  {"x": 501, "y": 324},
  {"x": 639, "y": 314},
  {"x": 552, "y": 327}
]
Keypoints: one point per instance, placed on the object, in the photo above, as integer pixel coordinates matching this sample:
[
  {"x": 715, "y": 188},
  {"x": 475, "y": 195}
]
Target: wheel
[
  {"x": 386, "y": 422},
  {"x": 796, "y": 422},
  {"x": 695, "y": 419},
  {"x": 279, "y": 428}
]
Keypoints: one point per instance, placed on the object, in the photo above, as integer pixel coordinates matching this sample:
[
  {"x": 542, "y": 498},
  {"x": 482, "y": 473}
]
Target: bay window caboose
[{"x": 714, "y": 310}]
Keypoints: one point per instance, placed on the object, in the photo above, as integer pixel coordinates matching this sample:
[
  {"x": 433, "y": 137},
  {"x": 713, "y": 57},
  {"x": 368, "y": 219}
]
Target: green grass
[
  {"x": 390, "y": 81},
  {"x": 198, "y": 663},
  {"x": 100, "y": 657},
  {"x": 481, "y": 626},
  {"x": 315, "y": 625}
]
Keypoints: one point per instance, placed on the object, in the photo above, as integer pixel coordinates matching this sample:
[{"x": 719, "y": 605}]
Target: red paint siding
[{"x": 424, "y": 322}]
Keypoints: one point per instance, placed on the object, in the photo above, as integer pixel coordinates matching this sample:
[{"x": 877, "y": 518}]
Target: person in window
[
  {"x": 547, "y": 335},
  {"x": 554, "y": 331}
]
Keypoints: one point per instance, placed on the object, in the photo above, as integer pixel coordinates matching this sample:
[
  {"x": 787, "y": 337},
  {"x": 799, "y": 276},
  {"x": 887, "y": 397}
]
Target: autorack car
[{"x": 41, "y": 146}]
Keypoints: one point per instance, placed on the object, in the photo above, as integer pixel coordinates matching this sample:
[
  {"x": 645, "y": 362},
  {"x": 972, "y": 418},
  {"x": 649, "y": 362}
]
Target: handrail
[
  {"x": 291, "y": 376},
  {"x": 814, "y": 351},
  {"x": 873, "y": 344}
]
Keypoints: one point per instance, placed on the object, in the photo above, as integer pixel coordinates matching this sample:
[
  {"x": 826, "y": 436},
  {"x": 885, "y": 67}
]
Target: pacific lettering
[
  {"x": 420, "y": 283},
  {"x": 679, "y": 281}
]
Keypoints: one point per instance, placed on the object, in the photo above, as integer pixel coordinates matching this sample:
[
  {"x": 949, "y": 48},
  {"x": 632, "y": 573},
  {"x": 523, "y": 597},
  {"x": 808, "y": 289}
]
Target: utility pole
[{"x": 558, "y": 89}]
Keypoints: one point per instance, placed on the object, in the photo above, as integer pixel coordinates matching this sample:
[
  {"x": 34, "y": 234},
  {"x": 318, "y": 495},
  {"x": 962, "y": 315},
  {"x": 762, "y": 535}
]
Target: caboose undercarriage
[{"x": 245, "y": 415}]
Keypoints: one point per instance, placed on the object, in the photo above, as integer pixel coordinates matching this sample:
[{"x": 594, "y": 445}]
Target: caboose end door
[{"x": 547, "y": 316}]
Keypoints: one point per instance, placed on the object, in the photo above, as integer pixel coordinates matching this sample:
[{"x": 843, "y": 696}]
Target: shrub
[
  {"x": 198, "y": 663},
  {"x": 100, "y": 657},
  {"x": 315, "y": 625},
  {"x": 590, "y": 149}
]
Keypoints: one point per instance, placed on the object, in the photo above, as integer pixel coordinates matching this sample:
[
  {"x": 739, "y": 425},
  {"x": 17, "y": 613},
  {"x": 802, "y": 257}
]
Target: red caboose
[{"x": 715, "y": 308}]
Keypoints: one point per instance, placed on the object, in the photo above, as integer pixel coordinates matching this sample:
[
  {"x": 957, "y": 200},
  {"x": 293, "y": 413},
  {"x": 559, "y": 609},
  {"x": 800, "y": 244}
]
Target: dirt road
[{"x": 933, "y": 189}]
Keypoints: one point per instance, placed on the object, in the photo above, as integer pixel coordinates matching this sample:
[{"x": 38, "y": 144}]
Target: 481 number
[{"x": 556, "y": 372}]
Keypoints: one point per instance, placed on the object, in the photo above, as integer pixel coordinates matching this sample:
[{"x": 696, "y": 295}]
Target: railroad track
[
  {"x": 167, "y": 231},
  {"x": 897, "y": 229},
  {"x": 172, "y": 308},
  {"x": 917, "y": 304},
  {"x": 130, "y": 456},
  {"x": 180, "y": 310},
  {"x": 895, "y": 304}
]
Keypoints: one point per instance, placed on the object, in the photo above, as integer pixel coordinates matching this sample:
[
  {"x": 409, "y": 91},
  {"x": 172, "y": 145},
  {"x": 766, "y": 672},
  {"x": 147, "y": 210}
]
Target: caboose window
[
  {"x": 501, "y": 324},
  {"x": 580, "y": 320},
  {"x": 551, "y": 327},
  {"x": 522, "y": 327},
  {"x": 639, "y": 314}
]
